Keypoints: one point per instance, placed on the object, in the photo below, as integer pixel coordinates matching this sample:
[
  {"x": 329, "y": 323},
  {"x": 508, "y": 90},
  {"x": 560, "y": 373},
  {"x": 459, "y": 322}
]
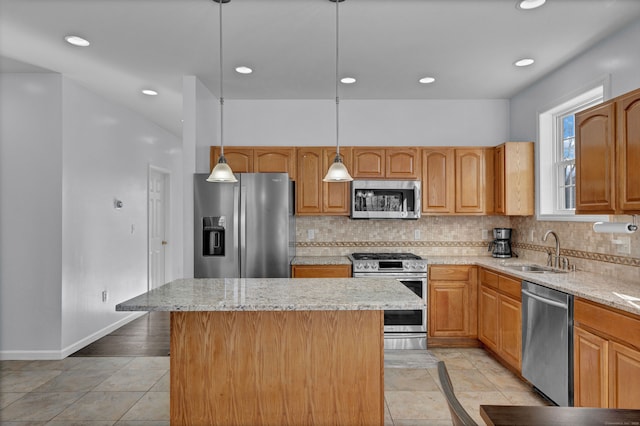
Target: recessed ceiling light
[
  {"x": 347, "y": 80},
  {"x": 243, "y": 70},
  {"x": 525, "y": 62},
  {"x": 77, "y": 40},
  {"x": 427, "y": 80},
  {"x": 149, "y": 92},
  {"x": 530, "y": 4}
]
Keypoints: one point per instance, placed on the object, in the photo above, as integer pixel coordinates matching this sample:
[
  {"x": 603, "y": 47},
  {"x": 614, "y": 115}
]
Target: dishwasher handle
[{"x": 545, "y": 300}]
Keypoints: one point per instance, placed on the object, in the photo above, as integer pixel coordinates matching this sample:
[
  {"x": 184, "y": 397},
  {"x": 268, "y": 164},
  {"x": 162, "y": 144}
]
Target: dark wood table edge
[{"x": 497, "y": 415}]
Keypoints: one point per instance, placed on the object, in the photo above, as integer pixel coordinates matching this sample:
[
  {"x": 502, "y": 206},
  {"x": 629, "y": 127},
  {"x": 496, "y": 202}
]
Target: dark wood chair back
[{"x": 459, "y": 417}]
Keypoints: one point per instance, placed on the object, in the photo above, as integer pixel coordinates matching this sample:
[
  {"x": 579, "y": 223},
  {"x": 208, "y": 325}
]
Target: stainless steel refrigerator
[{"x": 244, "y": 229}]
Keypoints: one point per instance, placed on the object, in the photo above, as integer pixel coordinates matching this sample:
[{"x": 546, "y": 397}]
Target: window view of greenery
[{"x": 566, "y": 164}]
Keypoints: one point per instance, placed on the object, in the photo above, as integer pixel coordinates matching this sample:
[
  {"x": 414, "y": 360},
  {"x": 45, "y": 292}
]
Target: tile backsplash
[{"x": 463, "y": 236}]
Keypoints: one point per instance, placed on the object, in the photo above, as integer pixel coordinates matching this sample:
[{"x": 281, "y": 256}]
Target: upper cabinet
[
  {"x": 390, "y": 163},
  {"x": 474, "y": 180},
  {"x": 457, "y": 180},
  {"x": 313, "y": 196},
  {"x": 258, "y": 159},
  {"x": 513, "y": 179},
  {"x": 607, "y": 146},
  {"x": 438, "y": 180}
]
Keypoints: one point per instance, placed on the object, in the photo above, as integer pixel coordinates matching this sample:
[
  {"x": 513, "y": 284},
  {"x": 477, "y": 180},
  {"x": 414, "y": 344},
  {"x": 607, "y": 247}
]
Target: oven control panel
[{"x": 419, "y": 265}]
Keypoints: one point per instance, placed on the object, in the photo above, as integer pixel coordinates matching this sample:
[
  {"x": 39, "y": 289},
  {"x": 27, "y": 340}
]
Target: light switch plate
[{"x": 310, "y": 234}]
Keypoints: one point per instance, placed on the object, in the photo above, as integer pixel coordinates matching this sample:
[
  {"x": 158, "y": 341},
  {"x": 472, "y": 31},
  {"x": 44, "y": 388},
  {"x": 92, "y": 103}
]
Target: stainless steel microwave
[{"x": 385, "y": 199}]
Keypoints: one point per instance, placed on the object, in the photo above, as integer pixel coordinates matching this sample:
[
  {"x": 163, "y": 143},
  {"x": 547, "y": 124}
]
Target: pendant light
[
  {"x": 221, "y": 172},
  {"x": 338, "y": 171}
]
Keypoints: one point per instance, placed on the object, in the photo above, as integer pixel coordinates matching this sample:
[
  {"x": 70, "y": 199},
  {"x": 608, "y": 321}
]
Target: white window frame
[{"x": 549, "y": 151}]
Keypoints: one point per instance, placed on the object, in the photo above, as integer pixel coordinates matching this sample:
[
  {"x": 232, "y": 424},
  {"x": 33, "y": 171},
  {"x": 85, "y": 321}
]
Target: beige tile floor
[{"x": 108, "y": 391}]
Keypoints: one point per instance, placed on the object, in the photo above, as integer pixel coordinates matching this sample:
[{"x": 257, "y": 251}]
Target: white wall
[
  {"x": 66, "y": 154},
  {"x": 30, "y": 213},
  {"x": 617, "y": 57},
  {"x": 366, "y": 122}
]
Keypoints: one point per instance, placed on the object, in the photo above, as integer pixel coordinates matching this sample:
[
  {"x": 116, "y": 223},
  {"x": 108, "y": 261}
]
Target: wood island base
[{"x": 277, "y": 368}]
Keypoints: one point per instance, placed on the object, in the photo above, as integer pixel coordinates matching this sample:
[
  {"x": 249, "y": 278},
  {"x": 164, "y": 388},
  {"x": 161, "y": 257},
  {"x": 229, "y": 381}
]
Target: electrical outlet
[
  {"x": 311, "y": 234},
  {"x": 105, "y": 296},
  {"x": 416, "y": 234},
  {"x": 533, "y": 235},
  {"x": 485, "y": 234}
]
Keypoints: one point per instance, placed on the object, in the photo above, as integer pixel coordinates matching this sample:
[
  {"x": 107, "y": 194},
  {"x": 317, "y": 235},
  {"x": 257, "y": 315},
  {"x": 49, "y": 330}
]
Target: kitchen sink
[{"x": 536, "y": 268}]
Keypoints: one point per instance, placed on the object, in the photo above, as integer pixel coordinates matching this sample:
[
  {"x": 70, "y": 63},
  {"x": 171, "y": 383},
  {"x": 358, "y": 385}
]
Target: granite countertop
[
  {"x": 276, "y": 294},
  {"x": 623, "y": 295},
  {"x": 321, "y": 260}
]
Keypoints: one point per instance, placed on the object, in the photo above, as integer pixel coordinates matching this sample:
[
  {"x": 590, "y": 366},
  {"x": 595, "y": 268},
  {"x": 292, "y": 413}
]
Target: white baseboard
[{"x": 76, "y": 346}]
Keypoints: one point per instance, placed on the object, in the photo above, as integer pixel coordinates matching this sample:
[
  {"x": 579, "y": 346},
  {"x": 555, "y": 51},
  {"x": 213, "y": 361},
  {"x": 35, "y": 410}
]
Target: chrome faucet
[{"x": 558, "y": 261}]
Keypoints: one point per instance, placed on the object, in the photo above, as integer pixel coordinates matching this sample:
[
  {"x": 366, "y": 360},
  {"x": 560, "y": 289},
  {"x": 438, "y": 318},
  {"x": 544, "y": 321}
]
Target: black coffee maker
[{"x": 501, "y": 244}]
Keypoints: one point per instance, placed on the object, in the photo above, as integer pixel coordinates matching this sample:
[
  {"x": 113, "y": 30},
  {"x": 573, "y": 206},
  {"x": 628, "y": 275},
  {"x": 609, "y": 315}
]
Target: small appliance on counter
[{"x": 501, "y": 244}]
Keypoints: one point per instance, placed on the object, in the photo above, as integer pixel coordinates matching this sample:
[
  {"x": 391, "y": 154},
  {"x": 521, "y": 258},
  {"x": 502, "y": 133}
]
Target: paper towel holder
[{"x": 616, "y": 227}]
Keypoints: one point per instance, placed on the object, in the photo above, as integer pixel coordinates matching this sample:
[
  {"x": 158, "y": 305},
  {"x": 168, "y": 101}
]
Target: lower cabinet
[
  {"x": 500, "y": 316},
  {"x": 606, "y": 355},
  {"x": 320, "y": 271},
  {"x": 452, "y": 306}
]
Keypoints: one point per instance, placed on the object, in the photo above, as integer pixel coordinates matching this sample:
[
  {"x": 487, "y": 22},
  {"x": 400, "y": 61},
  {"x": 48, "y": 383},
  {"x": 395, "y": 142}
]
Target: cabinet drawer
[
  {"x": 510, "y": 286},
  {"x": 614, "y": 324},
  {"x": 450, "y": 273},
  {"x": 489, "y": 278}
]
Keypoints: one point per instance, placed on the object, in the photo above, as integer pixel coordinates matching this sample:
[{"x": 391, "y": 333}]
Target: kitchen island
[{"x": 276, "y": 351}]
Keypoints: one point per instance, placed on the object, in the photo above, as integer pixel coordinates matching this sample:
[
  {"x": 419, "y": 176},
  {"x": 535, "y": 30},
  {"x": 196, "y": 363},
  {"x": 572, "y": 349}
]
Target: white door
[{"x": 158, "y": 185}]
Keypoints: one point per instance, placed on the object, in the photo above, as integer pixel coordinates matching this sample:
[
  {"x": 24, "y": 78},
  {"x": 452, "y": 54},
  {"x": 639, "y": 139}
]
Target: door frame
[{"x": 167, "y": 219}]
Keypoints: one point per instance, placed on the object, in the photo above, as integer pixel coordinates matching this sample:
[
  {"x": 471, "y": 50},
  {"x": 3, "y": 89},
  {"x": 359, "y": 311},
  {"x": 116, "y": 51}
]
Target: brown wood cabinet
[
  {"x": 513, "y": 179},
  {"x": 453, "y": 304},
  {"x": 606, "y": 356},
  {"x": 500, "y": 316},
  {"x": 390, "y": 163},
  {"x": 257, "y": 159},
  {"x": 313, "y": 196},
  {"x": 438, "y": 180},
  {"x": 320, "y": 271},
  {"x": 474, "y": 180},
  {"x": 607, "y": 148}
]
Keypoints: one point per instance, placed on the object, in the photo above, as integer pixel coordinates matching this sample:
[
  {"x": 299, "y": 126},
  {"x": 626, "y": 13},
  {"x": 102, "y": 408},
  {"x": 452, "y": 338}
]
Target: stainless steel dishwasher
[{"x": 547, "y": 341}]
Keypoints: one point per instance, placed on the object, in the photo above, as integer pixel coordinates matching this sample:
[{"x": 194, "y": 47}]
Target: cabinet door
[
  {"x": 239, "y": 159},
  {"x": 488, "y": 317},
  {"x": 368, "y": 163},
  {"x": 498, "y": 182},
  {"x": 275, "y": 160},
  {"x": 336, "y": 196},
  {"x": 309, "y": 182},
  {"x": 590, "y": 360},
  {"x": 595, "y": 160},
  {"x": 624, "y": 376},
  {"x": 402, "y": 163},
  {"x": 438, "y": 180},
  {"x": 510, "y": 336},
  {"x": 321, "y": 271},
  {"x": 448, "y": 309},
  {"x": 628, "y": 147},
  {"x": 471, "y": 189}
]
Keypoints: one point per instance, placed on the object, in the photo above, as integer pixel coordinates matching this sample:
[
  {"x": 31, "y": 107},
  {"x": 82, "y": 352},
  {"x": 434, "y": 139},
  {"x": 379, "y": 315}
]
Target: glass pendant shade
[
  {"x": 337, "y": 172},
  {"x": 222, "y": 172}
]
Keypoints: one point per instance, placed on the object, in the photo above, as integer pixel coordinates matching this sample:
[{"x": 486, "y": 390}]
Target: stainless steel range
[{"x": 402, "y": 329}]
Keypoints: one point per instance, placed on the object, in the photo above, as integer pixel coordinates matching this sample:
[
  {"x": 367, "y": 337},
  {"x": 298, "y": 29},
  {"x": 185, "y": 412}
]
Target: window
[{"x": 556, "y": 184}]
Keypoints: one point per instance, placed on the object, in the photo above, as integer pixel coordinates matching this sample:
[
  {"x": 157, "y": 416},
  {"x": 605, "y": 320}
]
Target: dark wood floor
[{"x": 145, "y": 336}]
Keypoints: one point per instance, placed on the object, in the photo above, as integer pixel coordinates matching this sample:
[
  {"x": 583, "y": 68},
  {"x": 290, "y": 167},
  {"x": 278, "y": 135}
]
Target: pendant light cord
[
  {"x": 221, "y": 85},
  {"x": 337, "y": 97}
]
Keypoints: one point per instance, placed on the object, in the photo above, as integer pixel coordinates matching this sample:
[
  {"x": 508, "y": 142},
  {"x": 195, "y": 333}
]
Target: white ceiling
[{"x": 469, "y": 46}]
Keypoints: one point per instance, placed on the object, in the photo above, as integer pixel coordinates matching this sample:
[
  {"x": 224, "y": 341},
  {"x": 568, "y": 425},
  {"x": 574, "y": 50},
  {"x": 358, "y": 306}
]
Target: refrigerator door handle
[
  {"x": 243, "y": 231},
  {"x": 236, "y": 217}
]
